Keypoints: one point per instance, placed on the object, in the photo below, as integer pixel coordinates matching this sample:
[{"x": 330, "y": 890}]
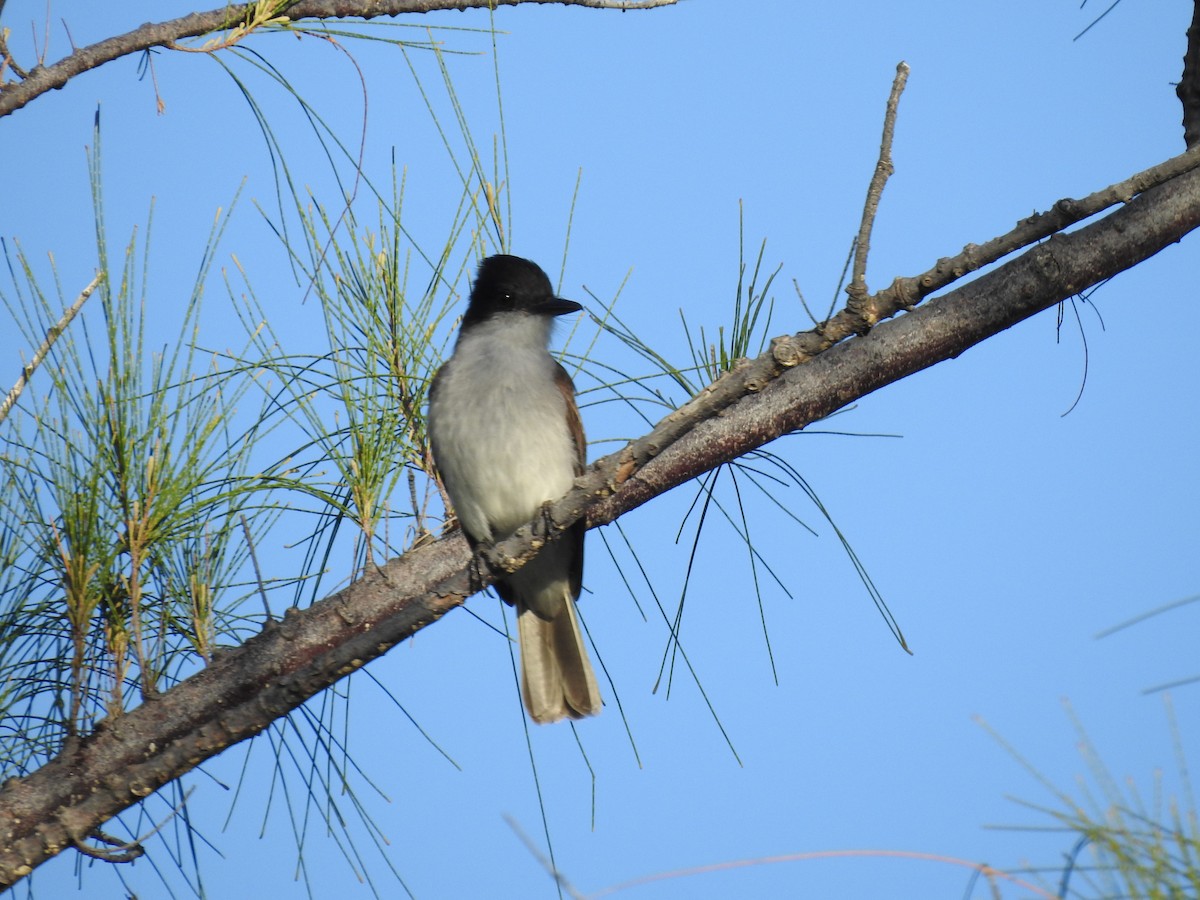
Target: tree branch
[
  {"x": 942, "y": 329},
  {"x": 245, "y": 689},
  {"x": 1188, "y": 89},
  {"x": 884, "y": 169},
  {"x": 42, "y": 79}
]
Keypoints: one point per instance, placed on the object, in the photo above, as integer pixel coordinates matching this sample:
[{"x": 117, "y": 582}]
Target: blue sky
[{"x": 1003, "y": 534}]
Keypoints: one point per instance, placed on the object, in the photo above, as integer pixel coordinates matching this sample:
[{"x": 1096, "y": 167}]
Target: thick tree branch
[
  {"x": 42, "y": 79},
  {"x": 247, "y": 688}
]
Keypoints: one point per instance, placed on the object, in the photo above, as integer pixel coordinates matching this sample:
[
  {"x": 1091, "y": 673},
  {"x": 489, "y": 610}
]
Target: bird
[{"x": 506, "y": 437}]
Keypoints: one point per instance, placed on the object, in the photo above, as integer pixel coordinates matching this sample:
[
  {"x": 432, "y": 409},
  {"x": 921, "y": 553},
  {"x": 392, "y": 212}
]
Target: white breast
[{"x": 498, "y": 426}]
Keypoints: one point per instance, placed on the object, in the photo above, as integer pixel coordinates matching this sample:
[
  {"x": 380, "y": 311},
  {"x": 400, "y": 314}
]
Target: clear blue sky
[{"x": 1002, "y": 534}]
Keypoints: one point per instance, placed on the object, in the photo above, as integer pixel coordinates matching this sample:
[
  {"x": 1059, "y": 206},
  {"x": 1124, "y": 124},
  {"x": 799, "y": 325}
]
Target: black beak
[{"x": 557, "y": 306}]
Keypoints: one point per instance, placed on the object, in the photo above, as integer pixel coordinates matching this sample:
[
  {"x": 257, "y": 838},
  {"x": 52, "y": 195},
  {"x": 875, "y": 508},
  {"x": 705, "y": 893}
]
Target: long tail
[{"x": 557, "y": 680}]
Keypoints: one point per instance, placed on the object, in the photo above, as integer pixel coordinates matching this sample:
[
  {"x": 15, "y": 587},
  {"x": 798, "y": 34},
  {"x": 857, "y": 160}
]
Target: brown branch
[
  {"x": 1188, "y": 89},
  {"x": 857, "y": 289},
  {"x": 42, "y": 79},
  {"x": 245, "y": 689}
]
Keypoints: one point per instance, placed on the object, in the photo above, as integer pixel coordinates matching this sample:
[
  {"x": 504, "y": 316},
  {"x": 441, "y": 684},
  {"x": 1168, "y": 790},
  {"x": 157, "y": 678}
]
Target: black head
[{"x": 512, "y": 284}]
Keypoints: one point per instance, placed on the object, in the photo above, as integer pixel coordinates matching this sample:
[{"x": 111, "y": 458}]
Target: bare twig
[
  {"x": 165, "y": 34},
  {"x": 121, "y": 852},
  {"x": 52, "y": 335},
  {"x": 559, "y": 878},
  {"x": 981, "y": 868},
  {"x": 127, "y": 851},
  {"x": 6, "y": 58},
  {"x": 857, "y": 289},
  {"x": 905, "y": 292},
  {"x": 1096, "y": 20},
  {"x": 262, "y": 590}
]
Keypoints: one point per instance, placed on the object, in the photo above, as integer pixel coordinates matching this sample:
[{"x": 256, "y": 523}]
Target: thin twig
[
  {"x": 905, "y": 292},
  {"x": 257, "y": 571},
  {"x": 883, "y": 170},
  {"x": 6, "y": 57},
  {"x": 1096, "y": 20},
  {"x": 52, "y": 335},
  {"x": 122, "y": 851},
  {"x": 537, "y": 854},
  {"x": 981, "y": 868}
]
